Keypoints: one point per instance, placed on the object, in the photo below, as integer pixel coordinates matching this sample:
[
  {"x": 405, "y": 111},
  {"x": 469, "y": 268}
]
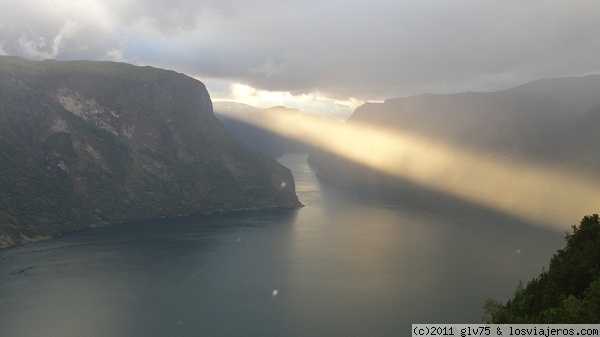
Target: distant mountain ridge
[
  {"x": 255, "y": 138},
  {"x": 547, "y": 121},
  {"x": 86, "y": 143}
]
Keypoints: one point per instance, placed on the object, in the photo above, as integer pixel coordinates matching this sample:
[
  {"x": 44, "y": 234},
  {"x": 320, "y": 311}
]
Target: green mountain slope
[{"x": 87, "y": 143}]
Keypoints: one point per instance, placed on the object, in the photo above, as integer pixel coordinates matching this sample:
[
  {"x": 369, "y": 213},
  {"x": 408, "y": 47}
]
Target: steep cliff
[{"x": 87, "y": 143}]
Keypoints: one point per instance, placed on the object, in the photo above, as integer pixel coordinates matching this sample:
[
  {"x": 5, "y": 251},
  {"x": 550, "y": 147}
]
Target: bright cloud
[{"x": 311, "y": 103}]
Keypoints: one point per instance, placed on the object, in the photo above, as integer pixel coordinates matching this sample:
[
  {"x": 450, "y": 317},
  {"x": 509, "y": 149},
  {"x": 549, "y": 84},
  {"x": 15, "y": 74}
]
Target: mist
[{"x": 545, "y": 195}]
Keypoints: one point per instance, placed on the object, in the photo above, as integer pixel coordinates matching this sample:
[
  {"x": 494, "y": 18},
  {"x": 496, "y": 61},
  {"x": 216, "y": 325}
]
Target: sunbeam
[{"x": 545, "y": 195}]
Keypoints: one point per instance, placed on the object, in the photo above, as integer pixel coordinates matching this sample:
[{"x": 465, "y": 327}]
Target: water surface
[{"x": 350, "y": 263}]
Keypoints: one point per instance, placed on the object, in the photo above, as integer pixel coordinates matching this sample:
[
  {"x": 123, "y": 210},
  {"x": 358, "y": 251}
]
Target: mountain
[
  {"x": 86, "y": 144},
  {"x": 582, "y": 144},
  {"x": 546, "y": 121},
  {"x": 253, "y": 137}
]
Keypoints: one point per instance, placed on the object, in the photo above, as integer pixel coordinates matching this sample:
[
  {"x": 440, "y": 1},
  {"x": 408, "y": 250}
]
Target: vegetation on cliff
[
  {"x": 567, "y": 293},
  {"x": 87, "y": 143}
]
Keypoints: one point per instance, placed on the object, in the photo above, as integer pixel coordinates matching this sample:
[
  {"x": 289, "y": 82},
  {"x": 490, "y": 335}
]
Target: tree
[{"x": 569, "y": 292}]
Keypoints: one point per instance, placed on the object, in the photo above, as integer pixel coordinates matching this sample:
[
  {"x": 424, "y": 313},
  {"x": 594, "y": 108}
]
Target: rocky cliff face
[{"x": 92, "y": 143}]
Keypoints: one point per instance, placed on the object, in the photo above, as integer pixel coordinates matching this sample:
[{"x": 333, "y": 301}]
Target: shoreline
[{"x": 6, "y": 242}]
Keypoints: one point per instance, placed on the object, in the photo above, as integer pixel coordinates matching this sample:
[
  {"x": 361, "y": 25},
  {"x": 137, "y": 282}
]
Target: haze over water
[{"x": 350, "y": 263}]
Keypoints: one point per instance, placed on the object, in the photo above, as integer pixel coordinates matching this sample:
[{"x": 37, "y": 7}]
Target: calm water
[{"x": 347, "y": 264}]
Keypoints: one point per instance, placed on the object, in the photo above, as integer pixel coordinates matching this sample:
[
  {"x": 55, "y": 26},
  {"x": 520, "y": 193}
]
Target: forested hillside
[{"x": 567, "y": 293}]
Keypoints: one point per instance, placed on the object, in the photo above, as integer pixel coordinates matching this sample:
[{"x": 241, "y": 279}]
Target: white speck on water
[
  {"x": 274, "y": 293},
  {"x": 238, "y": 240},
  {"x": 283, "y": 184},
  {"x": 518, "y": 251}
]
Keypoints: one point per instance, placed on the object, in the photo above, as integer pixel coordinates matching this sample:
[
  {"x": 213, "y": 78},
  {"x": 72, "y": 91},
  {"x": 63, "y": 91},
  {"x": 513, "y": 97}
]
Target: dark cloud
[{"x": 340, "y": 49}]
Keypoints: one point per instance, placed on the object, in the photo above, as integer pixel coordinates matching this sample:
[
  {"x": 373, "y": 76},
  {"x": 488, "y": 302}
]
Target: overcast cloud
[{"x": 325, "y": 52}]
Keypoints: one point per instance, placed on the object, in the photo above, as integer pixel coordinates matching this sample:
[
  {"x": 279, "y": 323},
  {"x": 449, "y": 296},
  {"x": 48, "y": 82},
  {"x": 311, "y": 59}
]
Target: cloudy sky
[{"x": 318, "y": 55}]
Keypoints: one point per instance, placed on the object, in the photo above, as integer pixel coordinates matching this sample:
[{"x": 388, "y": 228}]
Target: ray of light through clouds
[
  {"x": 322, "y": 56},
  {"x": 541, "y": 194}
]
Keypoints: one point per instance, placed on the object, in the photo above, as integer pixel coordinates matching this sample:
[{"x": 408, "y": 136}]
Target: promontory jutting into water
[{"x": 350, "y": 263}]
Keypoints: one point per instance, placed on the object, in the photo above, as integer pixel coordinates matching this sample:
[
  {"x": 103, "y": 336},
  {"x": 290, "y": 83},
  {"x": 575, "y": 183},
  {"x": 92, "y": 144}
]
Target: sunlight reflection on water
[{"x": 349, "y": 263}]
